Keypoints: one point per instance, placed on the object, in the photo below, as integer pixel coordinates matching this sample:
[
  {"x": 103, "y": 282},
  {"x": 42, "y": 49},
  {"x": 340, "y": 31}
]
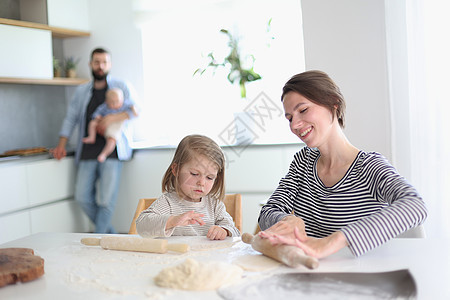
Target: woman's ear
[{"x": 174, "y": 169}]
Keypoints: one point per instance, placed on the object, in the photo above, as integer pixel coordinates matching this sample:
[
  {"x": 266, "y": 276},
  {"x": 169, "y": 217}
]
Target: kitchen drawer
[
  {"x": 62, "y": 216},
  {"x": 14, "y": 226},
  {"x": 50, "y": 180},
  {"x": 13, "y": 191}
]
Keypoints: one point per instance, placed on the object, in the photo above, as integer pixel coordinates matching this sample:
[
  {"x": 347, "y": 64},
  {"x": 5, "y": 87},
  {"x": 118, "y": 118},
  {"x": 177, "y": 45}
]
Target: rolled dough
[
  {"x": 256, "y": 263},
  {"x": 195, "y": 275}
]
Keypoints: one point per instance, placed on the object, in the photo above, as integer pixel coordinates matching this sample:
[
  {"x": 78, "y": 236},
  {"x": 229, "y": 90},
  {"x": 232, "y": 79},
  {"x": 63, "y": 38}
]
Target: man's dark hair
[{"x": 99, "y": 50}]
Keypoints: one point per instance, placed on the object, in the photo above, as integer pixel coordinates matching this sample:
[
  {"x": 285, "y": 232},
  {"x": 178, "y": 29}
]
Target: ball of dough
[{"x": 195, "y": 275}]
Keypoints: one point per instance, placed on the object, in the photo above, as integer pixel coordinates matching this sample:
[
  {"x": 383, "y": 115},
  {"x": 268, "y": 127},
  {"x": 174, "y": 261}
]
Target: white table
[{"x": 76, "y": 271}]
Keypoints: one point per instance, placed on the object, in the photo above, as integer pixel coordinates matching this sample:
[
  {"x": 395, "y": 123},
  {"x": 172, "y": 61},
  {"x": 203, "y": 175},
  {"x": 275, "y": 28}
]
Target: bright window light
[{"x": 177, "y": 39}]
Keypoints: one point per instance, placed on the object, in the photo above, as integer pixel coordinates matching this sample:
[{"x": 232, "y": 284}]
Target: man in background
[{"x": 97, "y": 183}]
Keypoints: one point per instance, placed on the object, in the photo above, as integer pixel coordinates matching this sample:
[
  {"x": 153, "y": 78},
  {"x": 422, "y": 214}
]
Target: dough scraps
[
  {"x": 195, "y": 275},
  {"x": 256, "y": 263},
  {"x": 206, "y": 244}
]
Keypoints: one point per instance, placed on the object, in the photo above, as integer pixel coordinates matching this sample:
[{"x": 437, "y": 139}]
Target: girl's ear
[{"x": 174, "y": 169}]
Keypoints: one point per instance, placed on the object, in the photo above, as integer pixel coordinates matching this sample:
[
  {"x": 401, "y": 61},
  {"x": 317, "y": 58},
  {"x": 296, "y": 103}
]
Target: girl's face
[
  {"x": 196, "y": 178},
  {"x": 309, "y": 121}
]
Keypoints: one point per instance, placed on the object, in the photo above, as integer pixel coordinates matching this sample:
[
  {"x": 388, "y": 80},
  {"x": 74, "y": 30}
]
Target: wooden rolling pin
[
  {"x": 289, "y": 255},
  {"x": 137, "y": 244}
]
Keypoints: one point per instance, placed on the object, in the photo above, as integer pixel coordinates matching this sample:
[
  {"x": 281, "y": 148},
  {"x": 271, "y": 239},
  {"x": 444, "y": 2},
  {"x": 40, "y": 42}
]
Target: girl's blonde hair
[{"x": 188, "y": 148}]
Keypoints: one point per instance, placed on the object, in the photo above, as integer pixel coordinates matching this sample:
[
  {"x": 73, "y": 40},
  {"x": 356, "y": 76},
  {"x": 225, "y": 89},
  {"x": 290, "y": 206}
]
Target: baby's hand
[
  {"x": 216, "y": 233},
  {"x": 187, "y": 218}
]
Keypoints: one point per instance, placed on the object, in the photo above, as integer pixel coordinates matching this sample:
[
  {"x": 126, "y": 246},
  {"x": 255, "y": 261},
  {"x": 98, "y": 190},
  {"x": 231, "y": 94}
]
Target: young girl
[{"x": 193, "y": 187}]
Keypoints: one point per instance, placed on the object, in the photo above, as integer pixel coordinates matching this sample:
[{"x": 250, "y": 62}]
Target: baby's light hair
[
  {"x": 117, "y": 91},
  {"x": 190, "y": 147}
]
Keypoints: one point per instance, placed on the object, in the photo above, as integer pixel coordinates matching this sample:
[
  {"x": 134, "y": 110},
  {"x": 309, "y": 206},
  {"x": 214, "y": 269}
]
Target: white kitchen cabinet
[
  {"x": 71, "y": 14},
  {"x": 36, "y": 195},
  {"x": 62, "y": 216},
  {"x": 14, "y": 226},
  {"x": 50, "y": 180},
  {"x": 13, "y": 192},
  {"x": 25, "y": 52},
  {"x": 26, "y": 55}
]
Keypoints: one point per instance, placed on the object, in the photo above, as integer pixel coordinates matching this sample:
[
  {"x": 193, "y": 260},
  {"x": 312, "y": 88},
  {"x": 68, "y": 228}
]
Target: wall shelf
[
  {"x": 54, "y": 81},
  {"x": 57, "y": 32}
]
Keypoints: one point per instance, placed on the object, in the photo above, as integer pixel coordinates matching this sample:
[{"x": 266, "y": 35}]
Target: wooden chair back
[
  {"x": 143, "y": 204},
  {"x": 233, "y": 204}
]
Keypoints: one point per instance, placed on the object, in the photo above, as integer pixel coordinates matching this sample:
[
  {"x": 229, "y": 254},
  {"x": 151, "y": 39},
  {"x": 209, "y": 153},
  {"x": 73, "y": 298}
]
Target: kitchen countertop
[
  {"x": 76, "y": 271},
  {"x": 18, "y": 159},
  {"x": 14, "y": 159}
]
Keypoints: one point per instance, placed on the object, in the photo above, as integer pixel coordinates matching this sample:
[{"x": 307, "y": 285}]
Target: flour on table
[
  {"x": 195, "y": 275},
  {"x": 207, "y": 244},
  {"x": 256, "y": 263}
]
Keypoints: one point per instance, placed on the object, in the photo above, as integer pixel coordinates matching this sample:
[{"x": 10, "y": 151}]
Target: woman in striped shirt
[
  {"x": 192, "y": 188},
  {"x": 334, "y": 195}
]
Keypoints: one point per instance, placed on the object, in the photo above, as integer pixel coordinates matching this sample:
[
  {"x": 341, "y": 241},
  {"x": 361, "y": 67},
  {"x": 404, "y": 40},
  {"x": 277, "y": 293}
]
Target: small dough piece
[
  {"x": 256, "y": 263},
  {"x": 194, "y": 275}
]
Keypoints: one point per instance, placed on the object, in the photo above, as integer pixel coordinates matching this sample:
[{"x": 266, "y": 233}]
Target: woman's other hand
[
  {"x": 315, "y": 247},
  {"x": 286, "y": 226}
]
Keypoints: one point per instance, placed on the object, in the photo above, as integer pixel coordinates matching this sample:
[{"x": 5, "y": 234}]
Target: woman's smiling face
[{"x": 309, "y": 121}]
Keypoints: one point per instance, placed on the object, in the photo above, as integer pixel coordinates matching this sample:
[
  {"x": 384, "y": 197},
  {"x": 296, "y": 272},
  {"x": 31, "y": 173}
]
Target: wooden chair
[
  {"x": 143, "y": 204},
  {"x": 233, "y": 204}
]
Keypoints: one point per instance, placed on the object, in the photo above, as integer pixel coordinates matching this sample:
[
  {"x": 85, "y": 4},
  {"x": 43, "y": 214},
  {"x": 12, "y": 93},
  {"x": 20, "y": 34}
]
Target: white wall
[
  {"x": 347, "y": 40},
  {"x": 112, "y": 27},
  {"x": 344, "y": 38},
  {"x": 398, "y": 71}
]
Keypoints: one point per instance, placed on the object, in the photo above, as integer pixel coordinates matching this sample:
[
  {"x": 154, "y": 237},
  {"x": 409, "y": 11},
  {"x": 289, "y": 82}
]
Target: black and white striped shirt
[
  {"x": 371, "y": 204},
  {"x": 152, "y": 221}
]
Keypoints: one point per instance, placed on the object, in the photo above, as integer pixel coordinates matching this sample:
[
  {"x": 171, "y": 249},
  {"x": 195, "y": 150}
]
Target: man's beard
[{"x": 99, "y": 77}]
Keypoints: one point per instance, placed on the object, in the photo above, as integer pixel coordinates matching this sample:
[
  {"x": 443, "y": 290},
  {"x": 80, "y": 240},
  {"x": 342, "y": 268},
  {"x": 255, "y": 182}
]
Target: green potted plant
[
  {"x": 56, "y": 67},
  {"x": 237, "y": 73},
  {"x": 70, "y": 66}
]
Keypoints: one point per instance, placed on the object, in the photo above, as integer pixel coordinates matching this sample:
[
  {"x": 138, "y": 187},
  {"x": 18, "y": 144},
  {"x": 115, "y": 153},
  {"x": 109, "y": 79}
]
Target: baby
[{"x": 114, "y": 103}]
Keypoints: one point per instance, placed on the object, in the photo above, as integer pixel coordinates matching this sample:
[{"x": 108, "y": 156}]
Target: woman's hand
[
  {"x": 188, "y": 218},
  {"x": 286, "y": 227},
  {"x": 315, "y": 247},
  {"x": 216, "y": 233}
]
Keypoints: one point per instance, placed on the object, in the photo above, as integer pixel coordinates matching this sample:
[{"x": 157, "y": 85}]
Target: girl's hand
[
  {"x": 188, "y": 218},
  {"x": 216, "y": 233}
]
